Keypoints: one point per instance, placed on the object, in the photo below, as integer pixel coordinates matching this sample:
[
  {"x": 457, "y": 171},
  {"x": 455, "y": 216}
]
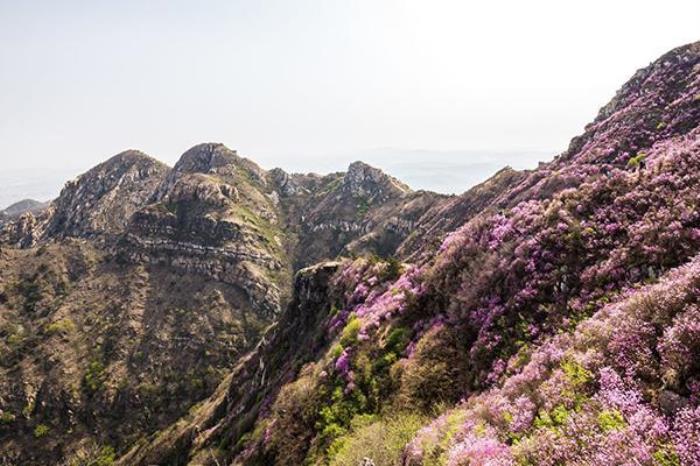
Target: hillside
[{"x": 218, "y": 313}]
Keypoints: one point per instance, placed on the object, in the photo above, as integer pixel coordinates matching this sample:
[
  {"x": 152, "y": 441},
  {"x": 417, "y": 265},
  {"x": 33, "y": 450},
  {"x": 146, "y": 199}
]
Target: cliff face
[
  {"x": 554, "y": 324},
  {"x": 214, "y": 215}
]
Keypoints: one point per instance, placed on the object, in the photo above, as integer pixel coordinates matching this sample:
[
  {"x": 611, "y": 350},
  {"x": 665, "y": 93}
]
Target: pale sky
[{"x": 301, "y": 84}]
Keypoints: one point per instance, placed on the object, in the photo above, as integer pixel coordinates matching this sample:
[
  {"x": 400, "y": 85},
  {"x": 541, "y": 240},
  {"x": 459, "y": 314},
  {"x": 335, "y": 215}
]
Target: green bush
[
  {"x": 93, "y": 455},
  {"x": 336, "y": 351},
  {"x": 610, "y": 420},
  {"x": 392, "y": 271},
  {"x": 380, "y": 440},
  {"x": 41, "y": 430},
  {"x": 434, "y": 374},
  {"x": 636, "y": 160},
  {"x": 94, "y": 376},
  {"x": 105, "y": 457},
  {"x": 666, "y": 456},
  {"x": 576, "y": 373},
  {"x": 31, "y": 291},
  {"x": 63, "y": 326},
  {"x": 350, "y": 332}
]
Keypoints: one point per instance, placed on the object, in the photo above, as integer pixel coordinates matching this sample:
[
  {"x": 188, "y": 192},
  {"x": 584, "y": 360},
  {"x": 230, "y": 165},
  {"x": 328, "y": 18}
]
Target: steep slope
[
  {"x": 512, "y": 316},
  {"x": 447, "y": 215},
  {"x": 87, "y": 342},
  {"x": 103, "y": 199},
  {"x": 216, "y": 216}
]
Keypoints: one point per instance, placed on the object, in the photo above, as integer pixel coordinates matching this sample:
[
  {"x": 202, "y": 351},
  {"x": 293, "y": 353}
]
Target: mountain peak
[
  {"x": 103, "y": 198},
  {"x": 207, "y": 158},
  {"x": 364, "y": 180},
  {"x": 20, "y": 207},
  {"x": 130, "y": 156},
  {"x": 657, "y": 102}
]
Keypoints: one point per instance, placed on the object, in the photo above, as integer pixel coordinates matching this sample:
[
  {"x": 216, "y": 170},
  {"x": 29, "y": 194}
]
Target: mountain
[
  {"x": 225, "y": 314},
  {"x": 18, "y": 208},
  {"x": 138, "y": 288}
]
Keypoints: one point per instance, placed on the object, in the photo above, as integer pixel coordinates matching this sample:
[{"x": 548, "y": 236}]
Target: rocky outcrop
[
  {"x": 212, "y": 216},
  {"x": 360, "y": 210},
  {"x": 366, "y": 182},
  {"x": 103, "y": 199},
  {"x": 24, "y": 231}
]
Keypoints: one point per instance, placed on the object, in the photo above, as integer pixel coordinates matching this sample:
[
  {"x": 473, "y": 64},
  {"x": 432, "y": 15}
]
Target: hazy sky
[{"x": 295, "y": 83}]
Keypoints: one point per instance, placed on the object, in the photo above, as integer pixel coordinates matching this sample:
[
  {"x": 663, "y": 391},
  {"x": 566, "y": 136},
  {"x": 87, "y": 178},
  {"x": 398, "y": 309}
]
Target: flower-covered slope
[
  {"x": 558, "y": 325},
  {"x": 623, "y": 388}
]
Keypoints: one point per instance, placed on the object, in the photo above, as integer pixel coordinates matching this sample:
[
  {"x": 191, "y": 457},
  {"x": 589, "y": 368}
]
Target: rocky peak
[
  {"x": 213, "y": 165},
  {"x": 103, "y": 199},
  {"x": 363, "y": 180},
  {"x": 208, "y": 158},
  {"x": 286, "y": 184}
]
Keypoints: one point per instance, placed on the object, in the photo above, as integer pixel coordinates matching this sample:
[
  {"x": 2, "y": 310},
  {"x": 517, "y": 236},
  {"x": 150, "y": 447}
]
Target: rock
[{"x": 670, "y": 403}]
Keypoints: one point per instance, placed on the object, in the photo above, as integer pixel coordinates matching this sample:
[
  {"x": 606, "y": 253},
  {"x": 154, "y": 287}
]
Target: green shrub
[
  {"x": 94, "y": 376},
  {"x": 666, "y": 456},
  {"x": 63, "y": 326},
  {"x": 296, "y": 417},
  {"x": 93, "y": 455},
  {"x": 31, "y": 291},
  {"x": 350, "y": 332},
  {"x": 28, "y": 408},
  {"x": 610, "y": 420},
  {"x": 41, "y": 430},
  {"x": 380, "y": 440},
  {"x": 336, "y": 351},
  {"x": 6, "y": 418},
  {"x": 434, "y": 374},
  {"x": 576, "y": 373},
  {"x": 555, "y": 418},
  {"x": 636, "y": 160},
  {"x": 105, "y": 457},
  {"x": 392, "y": 271},
  {"x": 398, "y": 339}
]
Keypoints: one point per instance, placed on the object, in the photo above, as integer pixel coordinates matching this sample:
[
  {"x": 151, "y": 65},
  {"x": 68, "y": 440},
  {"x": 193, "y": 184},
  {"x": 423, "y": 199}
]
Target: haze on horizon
[{"x": 436, "y": 92}]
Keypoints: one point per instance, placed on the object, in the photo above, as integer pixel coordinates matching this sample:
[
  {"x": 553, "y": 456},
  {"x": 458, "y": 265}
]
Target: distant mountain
[
  {"x": 219, "y": 313},
  {"x": 23, "y": 206}
]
